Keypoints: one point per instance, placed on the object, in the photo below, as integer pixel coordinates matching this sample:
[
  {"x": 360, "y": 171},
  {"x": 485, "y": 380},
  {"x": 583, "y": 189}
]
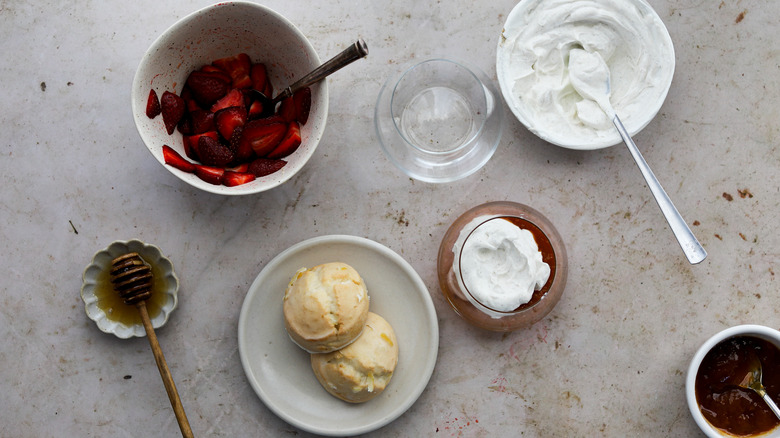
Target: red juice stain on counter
[
  {"x": 525, "y": 343},
  {"x": 457, "y": 425}
]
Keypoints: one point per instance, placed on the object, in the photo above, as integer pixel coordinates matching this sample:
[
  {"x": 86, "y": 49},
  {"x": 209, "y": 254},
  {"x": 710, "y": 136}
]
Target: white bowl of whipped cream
[{"x": 532, "y": 67}]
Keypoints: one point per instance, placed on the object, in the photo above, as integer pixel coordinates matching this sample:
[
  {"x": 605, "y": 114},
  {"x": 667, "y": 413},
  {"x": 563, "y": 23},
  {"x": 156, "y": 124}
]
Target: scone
[
  {"x": 325, "y": 307},
  {"x": 361, "y": 370}
]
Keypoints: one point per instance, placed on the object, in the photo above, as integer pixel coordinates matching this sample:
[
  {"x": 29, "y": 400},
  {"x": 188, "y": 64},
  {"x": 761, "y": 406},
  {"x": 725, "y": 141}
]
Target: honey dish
[{"x": 105, "y": 307}]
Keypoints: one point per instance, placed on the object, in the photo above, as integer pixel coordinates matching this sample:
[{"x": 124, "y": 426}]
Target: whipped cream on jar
[
  {"x": 500, "y": 264},
  {"x": 533, "y": 67}
]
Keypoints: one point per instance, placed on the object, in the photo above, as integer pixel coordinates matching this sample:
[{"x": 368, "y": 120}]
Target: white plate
[{"x": 280, "y": 372}]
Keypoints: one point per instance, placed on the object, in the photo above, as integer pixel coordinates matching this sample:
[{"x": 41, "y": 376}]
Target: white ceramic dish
[
  {"x": 280, "y": 372},
  {"x": 758, "y": 331},
  {"x": 98, "y": 267},
  {"x": 220, "y": 30},
  {"x": 650, "y": 33}
]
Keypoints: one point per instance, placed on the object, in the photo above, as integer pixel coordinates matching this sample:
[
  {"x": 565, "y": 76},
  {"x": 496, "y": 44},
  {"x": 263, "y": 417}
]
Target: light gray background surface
[{"x": 609, "y": 360}]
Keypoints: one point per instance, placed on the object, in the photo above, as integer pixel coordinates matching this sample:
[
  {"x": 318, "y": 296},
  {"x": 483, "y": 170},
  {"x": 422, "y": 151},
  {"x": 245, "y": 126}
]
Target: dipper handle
[
  {"x": 165, "y": 373},
  {"x": 132, "y": 280}
]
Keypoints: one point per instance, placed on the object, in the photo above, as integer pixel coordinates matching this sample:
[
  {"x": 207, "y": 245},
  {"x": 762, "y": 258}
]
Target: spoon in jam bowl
[
  {"x": 352, "y": 53},
  {"x": 753, "y": 380},
  {"x": 589, "y": 75}
]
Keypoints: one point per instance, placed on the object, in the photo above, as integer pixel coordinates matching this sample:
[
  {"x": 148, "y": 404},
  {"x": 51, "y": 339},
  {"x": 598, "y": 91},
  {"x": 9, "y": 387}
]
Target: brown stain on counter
[
  {"x": 399, "y": 217},
  {"x": 740, "y": 17},
  {"x": 743, "y": 193}
]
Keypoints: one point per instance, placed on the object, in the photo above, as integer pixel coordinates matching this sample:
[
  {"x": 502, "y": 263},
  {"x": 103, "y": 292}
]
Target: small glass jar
[{"x": 550, "y": 245}]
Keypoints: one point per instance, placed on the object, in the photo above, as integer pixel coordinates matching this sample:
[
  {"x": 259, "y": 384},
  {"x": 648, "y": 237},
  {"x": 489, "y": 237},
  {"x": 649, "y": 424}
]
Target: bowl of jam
[
  {"x": 722, "y": 408},
  {"x": 502, "y": 266}
]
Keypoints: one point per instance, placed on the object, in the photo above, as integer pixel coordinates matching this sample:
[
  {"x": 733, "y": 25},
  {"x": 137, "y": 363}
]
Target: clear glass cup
[
  {"x": 553, "y": 253},
  {"x": 438, "y": 120}
]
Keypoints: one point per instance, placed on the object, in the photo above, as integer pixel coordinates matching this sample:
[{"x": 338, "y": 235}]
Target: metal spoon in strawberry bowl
[
  {"x": 590, "y": 77},
  {"x": 354, "y": 52}
]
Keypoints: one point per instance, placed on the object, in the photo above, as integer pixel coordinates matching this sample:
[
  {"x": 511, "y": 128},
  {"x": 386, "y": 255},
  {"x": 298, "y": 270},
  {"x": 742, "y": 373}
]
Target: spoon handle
[
  {"x": 771, "y": 403},
  {"x": 693, "y": 250},
  {"x": 352, "y": 53}
]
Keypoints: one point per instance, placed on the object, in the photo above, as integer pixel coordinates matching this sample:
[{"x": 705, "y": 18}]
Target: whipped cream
[
  {"x": 533, "y": 66},
  {"x": 500, "y": 264}
]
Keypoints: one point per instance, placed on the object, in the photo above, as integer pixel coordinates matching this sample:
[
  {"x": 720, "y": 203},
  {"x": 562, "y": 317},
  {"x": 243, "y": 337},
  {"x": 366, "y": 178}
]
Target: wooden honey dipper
[{"x": 132, "y": 280}]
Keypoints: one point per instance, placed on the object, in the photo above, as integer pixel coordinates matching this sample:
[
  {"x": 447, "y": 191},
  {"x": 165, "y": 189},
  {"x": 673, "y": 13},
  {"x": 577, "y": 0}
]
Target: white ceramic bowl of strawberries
[{"x": 243, "y": 40}]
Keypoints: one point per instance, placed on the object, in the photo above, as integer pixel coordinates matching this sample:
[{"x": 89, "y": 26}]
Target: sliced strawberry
[
  {"x": 152, "y": 105},
  {"x": 265, "y": 166},
  {"x": 287, "y": 109},
  {"x": 302, "y": 99},
  {"x": 191, "y": 143},
  {"x": 228, "y": 119},
  {"x": 275, "y": 118},
  {"x": 233, "y": 97},
  {"x": 172, "y": 108},
  {"x": 234, "y": 142},
  {"x": 297, "y": 106},
  {"x": 202, "y": 121},
  {"x": 210, "y": 174},
  {"x": 219, "y": 72},
  {"x": 248, "y": 97},
  {"x": 207, "y": 87},
  {"x": 241, "y": 168},
  {"x": 261, "y": 137},
  {"x": 238, "y": 67},
  {"x": 290, "y": 142},
  {"x": 240, "y": 147},
  {"x": 186, "y": 94},
  {"x": 255, "y": 109},
  {"x": 185, "y": 124},
  {"x": 232, "y": 179},
  {"x": 259, "y": 76},
  {"x": 213, "y": 153},
  {"x": 174, "y": 159},
  {"x": 269, "y": 88}
]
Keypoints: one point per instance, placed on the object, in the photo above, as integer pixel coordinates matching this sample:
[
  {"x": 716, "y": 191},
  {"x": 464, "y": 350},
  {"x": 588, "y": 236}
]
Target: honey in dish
[
  {"x": 116, "y": 310},
  {"x": 735, "y": 410}
]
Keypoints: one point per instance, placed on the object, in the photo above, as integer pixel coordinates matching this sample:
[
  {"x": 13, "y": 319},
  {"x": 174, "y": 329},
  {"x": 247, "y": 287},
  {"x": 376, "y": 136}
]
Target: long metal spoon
[
  {"x": 589, "y": 75},
  {"x": 354, "y": 52},
  {"x": 753, "y": 380}
]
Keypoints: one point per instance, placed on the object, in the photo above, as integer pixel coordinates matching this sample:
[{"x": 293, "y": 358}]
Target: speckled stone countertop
[{"x": 610, "y": 360}]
